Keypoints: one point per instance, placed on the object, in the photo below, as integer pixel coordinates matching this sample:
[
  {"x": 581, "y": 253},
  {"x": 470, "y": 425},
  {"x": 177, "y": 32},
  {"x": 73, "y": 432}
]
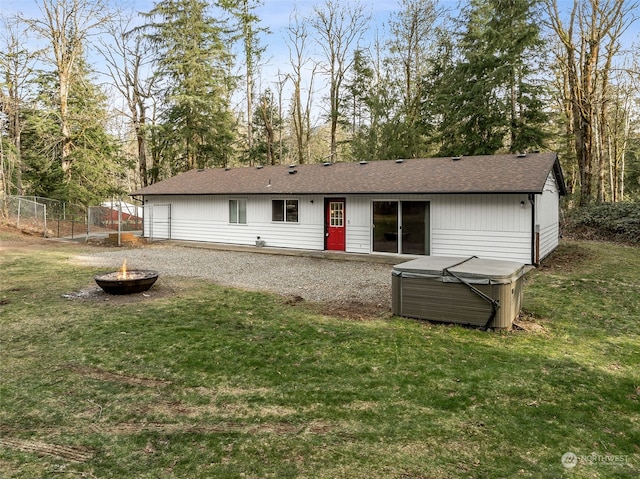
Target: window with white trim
[
  {"x": 284, "y": 211},
  {"x": 336, "y": 214},
  {"x": 238, "y": 212}
]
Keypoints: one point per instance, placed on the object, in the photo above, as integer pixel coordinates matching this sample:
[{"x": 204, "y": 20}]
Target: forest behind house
[{"x": 97, "y": 100}]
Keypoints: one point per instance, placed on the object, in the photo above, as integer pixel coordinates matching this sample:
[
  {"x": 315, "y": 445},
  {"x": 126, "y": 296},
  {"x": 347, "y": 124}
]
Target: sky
[{"x": 275, "y": 16}]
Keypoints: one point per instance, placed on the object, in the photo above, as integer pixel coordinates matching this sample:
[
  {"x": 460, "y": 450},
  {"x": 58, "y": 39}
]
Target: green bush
[{"x": 616, "y": 221}]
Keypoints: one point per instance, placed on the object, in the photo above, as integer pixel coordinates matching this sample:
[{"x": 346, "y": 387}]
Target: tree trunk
[{"x": 65, "y": 154}]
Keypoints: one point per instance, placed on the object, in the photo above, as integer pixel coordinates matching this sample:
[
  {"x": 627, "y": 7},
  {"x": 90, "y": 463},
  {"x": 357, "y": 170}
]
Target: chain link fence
[
  {"x": 54, "y": 219},
  {"x": 25, "y": 214}
]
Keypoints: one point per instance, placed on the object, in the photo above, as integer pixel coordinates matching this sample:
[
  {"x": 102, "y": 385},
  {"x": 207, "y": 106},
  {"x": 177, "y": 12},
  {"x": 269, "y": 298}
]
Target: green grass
[{"x": 214, "y": 382}]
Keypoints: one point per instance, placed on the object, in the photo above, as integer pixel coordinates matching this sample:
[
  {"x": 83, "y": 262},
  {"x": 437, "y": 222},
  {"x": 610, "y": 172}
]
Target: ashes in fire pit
[{"x": 126, "y": 281}]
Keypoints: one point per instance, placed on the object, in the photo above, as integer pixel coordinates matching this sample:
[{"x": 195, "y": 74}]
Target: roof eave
[{"x": 345, "y": 193}]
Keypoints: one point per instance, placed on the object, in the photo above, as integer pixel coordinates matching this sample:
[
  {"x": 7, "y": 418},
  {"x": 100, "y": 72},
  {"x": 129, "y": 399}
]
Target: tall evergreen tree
[
  {"x": 248, "y": 24},
  {"x": 484, "y": 94},
  {"x": 267, "y": 120},
  {"x": 357, "y": 92},
  {"x": 192, "y": 65},
  {"x": 97, "y": 164},
  {"x": 16, "y": 71},
  {"x": 66, "y": 25},
  {"x": 374, "y": 99}
]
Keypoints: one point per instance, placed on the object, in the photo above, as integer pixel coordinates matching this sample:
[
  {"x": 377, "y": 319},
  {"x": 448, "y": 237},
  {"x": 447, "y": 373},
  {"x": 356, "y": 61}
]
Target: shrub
[{"x": 614, "y": 221}]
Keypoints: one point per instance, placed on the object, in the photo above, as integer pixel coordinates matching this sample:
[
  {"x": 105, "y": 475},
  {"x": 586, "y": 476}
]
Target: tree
[
  {"x": 194, "y": 84},
  {"x": 358, "y": 86},
  {"x": 380, "y": 131},
  {"x": 486, "y": 97},
  {"x": 97, "y": 164},
  {"x": 267, "y": 119},
  {"x": 127, "y": 63},
  {"x": 297, "y": 35},
  {"x": 340, "y": 27},
  {"x": 413, "y": 34},
  {"x": 366, "y": 92},
  {"x": 67, "y": 25},
  {"x": 16, "y": 70},
  {"x": 243, "y": 11},
  {"x": 590, "y": 42}
]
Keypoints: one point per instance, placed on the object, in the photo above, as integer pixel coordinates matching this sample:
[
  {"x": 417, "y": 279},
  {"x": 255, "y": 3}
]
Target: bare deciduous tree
[
  {"x": 298, "y": 36},
  {"x": 413, "y": 33},
  {"x": 340, "y": 26},
  {"x": 590, "y": 40},
  {"x": 129, "y": 69}
]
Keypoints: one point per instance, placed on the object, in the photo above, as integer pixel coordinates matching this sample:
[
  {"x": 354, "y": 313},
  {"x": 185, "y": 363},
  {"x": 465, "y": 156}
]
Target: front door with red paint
[{"x": 336, "y": 224}]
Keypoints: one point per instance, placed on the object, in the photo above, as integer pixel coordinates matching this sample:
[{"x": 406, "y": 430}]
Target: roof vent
[
  {"x": 363, "y": 163},
  {"x": 293, "y": 172},
  {"x": 521, "y": 154},
  {"x": 399, "y": 160},
  {"x": 456, "y": 158},
  {"x": 259, "y": 167},
  {"x": 327, "y": 163}
]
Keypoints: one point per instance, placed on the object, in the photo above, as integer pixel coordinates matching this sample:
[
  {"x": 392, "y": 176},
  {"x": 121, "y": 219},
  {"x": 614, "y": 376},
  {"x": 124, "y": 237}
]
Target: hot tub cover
[{"x": 472, "y": 270}]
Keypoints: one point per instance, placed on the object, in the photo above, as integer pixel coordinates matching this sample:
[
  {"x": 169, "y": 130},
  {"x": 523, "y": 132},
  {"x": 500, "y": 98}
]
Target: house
[
  {"x": 494, "y": 207},
  {"x": 115, "y": 211}
]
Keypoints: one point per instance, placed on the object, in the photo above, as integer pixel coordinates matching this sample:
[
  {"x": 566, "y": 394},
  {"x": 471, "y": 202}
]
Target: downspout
[
  {"x": 535, "y": 235},
  {"x": 144, "y": 212}
]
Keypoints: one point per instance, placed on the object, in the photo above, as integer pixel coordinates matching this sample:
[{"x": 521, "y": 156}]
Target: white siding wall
[
  {"x": 206, "y": 218},
  {"x": 547, "y": 217},
  {"x": 359, "y": 215},
  {"x": 489, "y": 226}
]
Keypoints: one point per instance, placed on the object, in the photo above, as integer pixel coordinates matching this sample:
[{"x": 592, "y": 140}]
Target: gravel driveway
[{"x": 337, "y": 281}]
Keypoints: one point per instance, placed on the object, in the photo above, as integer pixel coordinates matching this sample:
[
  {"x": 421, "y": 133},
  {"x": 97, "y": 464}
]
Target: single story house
[{"x": 494, "y": 206}]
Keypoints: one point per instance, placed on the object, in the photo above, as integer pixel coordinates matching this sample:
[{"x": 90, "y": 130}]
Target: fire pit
[{"x": 126, "y": 281}]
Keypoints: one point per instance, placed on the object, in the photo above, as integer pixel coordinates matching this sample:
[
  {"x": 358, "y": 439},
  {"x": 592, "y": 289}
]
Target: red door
[{"x": 335, "y": 215}]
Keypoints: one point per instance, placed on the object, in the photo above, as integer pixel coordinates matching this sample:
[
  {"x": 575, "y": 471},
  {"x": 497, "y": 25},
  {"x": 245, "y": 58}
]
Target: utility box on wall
[{"x": 471, "y": 291}]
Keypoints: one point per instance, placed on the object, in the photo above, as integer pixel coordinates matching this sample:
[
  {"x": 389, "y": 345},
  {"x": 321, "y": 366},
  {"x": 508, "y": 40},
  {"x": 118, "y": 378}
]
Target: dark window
[{"x": 284, "y": 210}]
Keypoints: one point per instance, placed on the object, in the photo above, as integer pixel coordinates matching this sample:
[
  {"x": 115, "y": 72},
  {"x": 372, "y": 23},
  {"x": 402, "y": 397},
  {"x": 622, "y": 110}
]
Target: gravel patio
[{"x": 339, "y": 283}]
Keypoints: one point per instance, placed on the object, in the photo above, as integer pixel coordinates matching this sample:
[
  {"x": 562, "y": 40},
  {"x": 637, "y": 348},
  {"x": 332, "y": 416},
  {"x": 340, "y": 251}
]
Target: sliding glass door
[
  {"x": 415, "y": 227},
  {"x": 401, "y": 226},
  {"x": 385, "y": 226}
]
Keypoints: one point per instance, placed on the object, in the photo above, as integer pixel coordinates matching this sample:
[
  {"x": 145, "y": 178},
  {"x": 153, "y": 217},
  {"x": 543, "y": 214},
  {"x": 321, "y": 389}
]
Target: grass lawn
[{"x": 212, "y": 382}]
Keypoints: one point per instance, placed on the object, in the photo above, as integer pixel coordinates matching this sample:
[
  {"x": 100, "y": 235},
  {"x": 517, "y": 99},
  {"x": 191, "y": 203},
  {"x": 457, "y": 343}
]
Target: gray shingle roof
[{"x": 508, "y": 173}]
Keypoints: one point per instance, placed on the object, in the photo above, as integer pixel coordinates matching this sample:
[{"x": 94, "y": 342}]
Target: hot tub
[{"x": 471, "y": 291}]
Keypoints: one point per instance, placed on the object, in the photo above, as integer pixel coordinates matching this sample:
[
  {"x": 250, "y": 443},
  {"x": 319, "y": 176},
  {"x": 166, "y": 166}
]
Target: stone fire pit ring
[{"x": 136, "y": 281}]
